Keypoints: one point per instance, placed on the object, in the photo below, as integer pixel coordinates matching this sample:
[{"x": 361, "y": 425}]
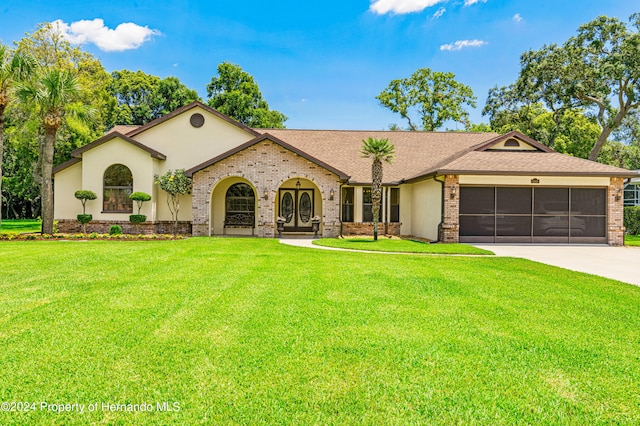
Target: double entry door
[{"x": 296, "y": 207}]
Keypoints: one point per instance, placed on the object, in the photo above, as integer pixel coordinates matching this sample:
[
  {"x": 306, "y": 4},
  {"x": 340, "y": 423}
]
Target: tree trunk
[
  {"x": 376, "y": 194},
  {"x": 602, "y": 139},
  {"x": 2, "y": 107},
  {"x": 47, "y": 180}
]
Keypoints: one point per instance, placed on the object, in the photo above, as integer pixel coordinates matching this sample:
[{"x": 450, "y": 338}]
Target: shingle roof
[
  {"x": 525, "y": 162},
  {"x": 423, "y": 154},
  {"x": 258, "y": 139},
  {"x": 415, "y": 151}
]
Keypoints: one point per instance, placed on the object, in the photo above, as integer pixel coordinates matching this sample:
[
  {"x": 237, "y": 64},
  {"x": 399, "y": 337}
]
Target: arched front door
[{"x": 296, "y": 206}]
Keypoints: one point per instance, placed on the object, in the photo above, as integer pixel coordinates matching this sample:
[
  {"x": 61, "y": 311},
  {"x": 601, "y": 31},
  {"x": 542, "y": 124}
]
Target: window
[
  {"x": 118, "y": 185},
  {"x": 367, "y": 204},
  {"x": 394, "y": 203},
  {"x": 240, "y": 204},
  {"x": 632, "y": 195},
  {"x": 347, "y": 204}
]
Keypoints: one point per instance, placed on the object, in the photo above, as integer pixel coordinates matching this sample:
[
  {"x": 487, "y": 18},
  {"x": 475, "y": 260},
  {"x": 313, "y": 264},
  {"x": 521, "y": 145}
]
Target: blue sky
[{"x": 319, "y": 62}]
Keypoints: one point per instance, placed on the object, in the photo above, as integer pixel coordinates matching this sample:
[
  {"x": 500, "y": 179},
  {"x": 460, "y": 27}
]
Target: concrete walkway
[{"x": 618, "y": 263}]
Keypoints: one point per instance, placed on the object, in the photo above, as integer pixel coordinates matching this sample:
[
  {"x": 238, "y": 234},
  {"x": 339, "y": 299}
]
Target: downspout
[{"x": 441, "y": 210}]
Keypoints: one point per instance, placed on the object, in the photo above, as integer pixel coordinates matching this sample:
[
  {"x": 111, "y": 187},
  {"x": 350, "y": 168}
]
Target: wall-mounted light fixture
[
  {"x": 618, "y": 194},
  {"x": 266, "y": 194},
  {"x": 331, "y": 194},
  {"x": 452, "y": 194}
]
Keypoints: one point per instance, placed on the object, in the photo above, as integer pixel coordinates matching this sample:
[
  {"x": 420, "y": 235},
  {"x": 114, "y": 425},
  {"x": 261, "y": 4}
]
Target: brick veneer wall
[
  {"x": 265, "y": 165},
  {"x": 450, "y": 232},
  {"x": 615, "y": 212},
  {"x": 70, "y": 226},
  {"x": 366, "y": 228}
]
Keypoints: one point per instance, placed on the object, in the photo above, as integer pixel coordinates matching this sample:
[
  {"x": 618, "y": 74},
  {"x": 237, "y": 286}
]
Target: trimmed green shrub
[
  {"x": 84, "y": 218},
  {"x": 632, "y": 220},
  {"x": 83, "y": 195},
  {"x": 139, "y": 198},
  {"x": 115, "y": 230},
  {"x": 137, "y": 219}
]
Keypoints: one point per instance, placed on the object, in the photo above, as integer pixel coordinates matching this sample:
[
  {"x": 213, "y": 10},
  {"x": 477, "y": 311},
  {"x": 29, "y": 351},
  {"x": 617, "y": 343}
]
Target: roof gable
[
  {"x": 273, "y": 139},
  {"x": 192, "y": 105},
  {"x": 513, "y": 141},
  {"x": 115, "y": 135}
]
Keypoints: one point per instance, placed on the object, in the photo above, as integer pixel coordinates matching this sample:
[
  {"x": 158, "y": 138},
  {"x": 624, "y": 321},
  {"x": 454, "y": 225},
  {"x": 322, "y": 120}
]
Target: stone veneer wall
[
  {"x": 70, "y": 226},
  {"x": 450, "y": 232},
  {"x": 366, "y": 228},
  {"x": 615, "y": 212},
  {"x": 265, "y": 165}
]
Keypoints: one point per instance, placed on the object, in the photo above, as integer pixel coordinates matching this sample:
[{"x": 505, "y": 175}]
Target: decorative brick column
[
  {"x": 450, "y": 232},
  {"x": 615, "y": 212}
]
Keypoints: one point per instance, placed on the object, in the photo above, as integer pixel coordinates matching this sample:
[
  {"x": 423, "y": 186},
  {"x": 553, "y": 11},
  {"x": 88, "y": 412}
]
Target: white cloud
[
  {"x": 517, "y": 17},
  {"x": 470, "y": 2},
  {"x": 401, "y": 6},
  {"x": 439, "y": 13},
  {"x": 461, "y": 44},
  {"x": 125, "y": 36}
]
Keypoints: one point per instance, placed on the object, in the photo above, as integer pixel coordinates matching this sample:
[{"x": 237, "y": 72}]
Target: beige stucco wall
[
  {"x": 186, "y": 146},
  {"x": 426, "y": 207},
  {"x": 117, "y": 151},
  {"x": 406, "y": 209},
  {"x": 66, "y": 183},
  {"x": 526, "y": 180}
]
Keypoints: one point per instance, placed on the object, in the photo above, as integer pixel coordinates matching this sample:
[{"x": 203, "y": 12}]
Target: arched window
[
  {"x": 240, "y": 205},
  {"x": 118, "y": 185}
]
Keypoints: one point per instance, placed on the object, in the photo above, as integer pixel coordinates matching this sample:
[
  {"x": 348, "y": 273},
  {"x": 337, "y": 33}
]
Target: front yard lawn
[
  {"x": 14, "y": 226},
  {"x": 632, "y": 240},
  {"x": 398, "y": 246},
  {"x": 251, "y": 331}
]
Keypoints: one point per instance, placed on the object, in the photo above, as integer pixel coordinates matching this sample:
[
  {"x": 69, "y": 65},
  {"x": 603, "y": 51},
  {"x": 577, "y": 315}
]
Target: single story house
[{"x": 442, "y": 186}]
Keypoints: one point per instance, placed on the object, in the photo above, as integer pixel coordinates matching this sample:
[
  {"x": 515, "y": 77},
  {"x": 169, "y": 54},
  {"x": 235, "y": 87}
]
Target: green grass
[
  {"x": 16, "y": 226},
  {"x": 250, "y": 331},
  {"x": 398, "y": 246},
  {"x": 632, "y": 240}
]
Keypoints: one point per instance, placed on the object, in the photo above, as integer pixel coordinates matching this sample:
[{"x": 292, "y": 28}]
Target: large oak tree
[
  {"x": 235, "y": 93},
  {"x": 428, "y": 99}
]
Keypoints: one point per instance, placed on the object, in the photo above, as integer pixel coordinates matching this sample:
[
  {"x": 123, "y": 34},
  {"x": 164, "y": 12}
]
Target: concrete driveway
[{"x": 618, "y": 263}]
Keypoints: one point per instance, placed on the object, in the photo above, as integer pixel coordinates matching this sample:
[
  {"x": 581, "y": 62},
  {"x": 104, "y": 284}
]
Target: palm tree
[
  {"x": 14, "y": 67},
  {"x": 378, "y": 150},
  {"x": 51, "y": 94}
]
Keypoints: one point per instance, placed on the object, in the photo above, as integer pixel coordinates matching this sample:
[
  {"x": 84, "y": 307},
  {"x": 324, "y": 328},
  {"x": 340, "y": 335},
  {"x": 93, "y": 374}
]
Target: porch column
[
  {"x": 451, "y": 225},
  {"x": 615, "y": 212}
]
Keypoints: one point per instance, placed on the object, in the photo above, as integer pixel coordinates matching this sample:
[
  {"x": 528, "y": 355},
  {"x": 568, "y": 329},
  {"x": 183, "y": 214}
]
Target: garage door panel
[
  {"x": 513, "y": 200},
  {"x": 513, "y": 226},
  {"x": 588, "y": 201},
  {"x": 477, "y": 200},
  {"x": 588, "y": 226},
  {"x": 477, "y": 226},
  {"x": 551, "y": 226},
  {"x": 551, "y": 201}
]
